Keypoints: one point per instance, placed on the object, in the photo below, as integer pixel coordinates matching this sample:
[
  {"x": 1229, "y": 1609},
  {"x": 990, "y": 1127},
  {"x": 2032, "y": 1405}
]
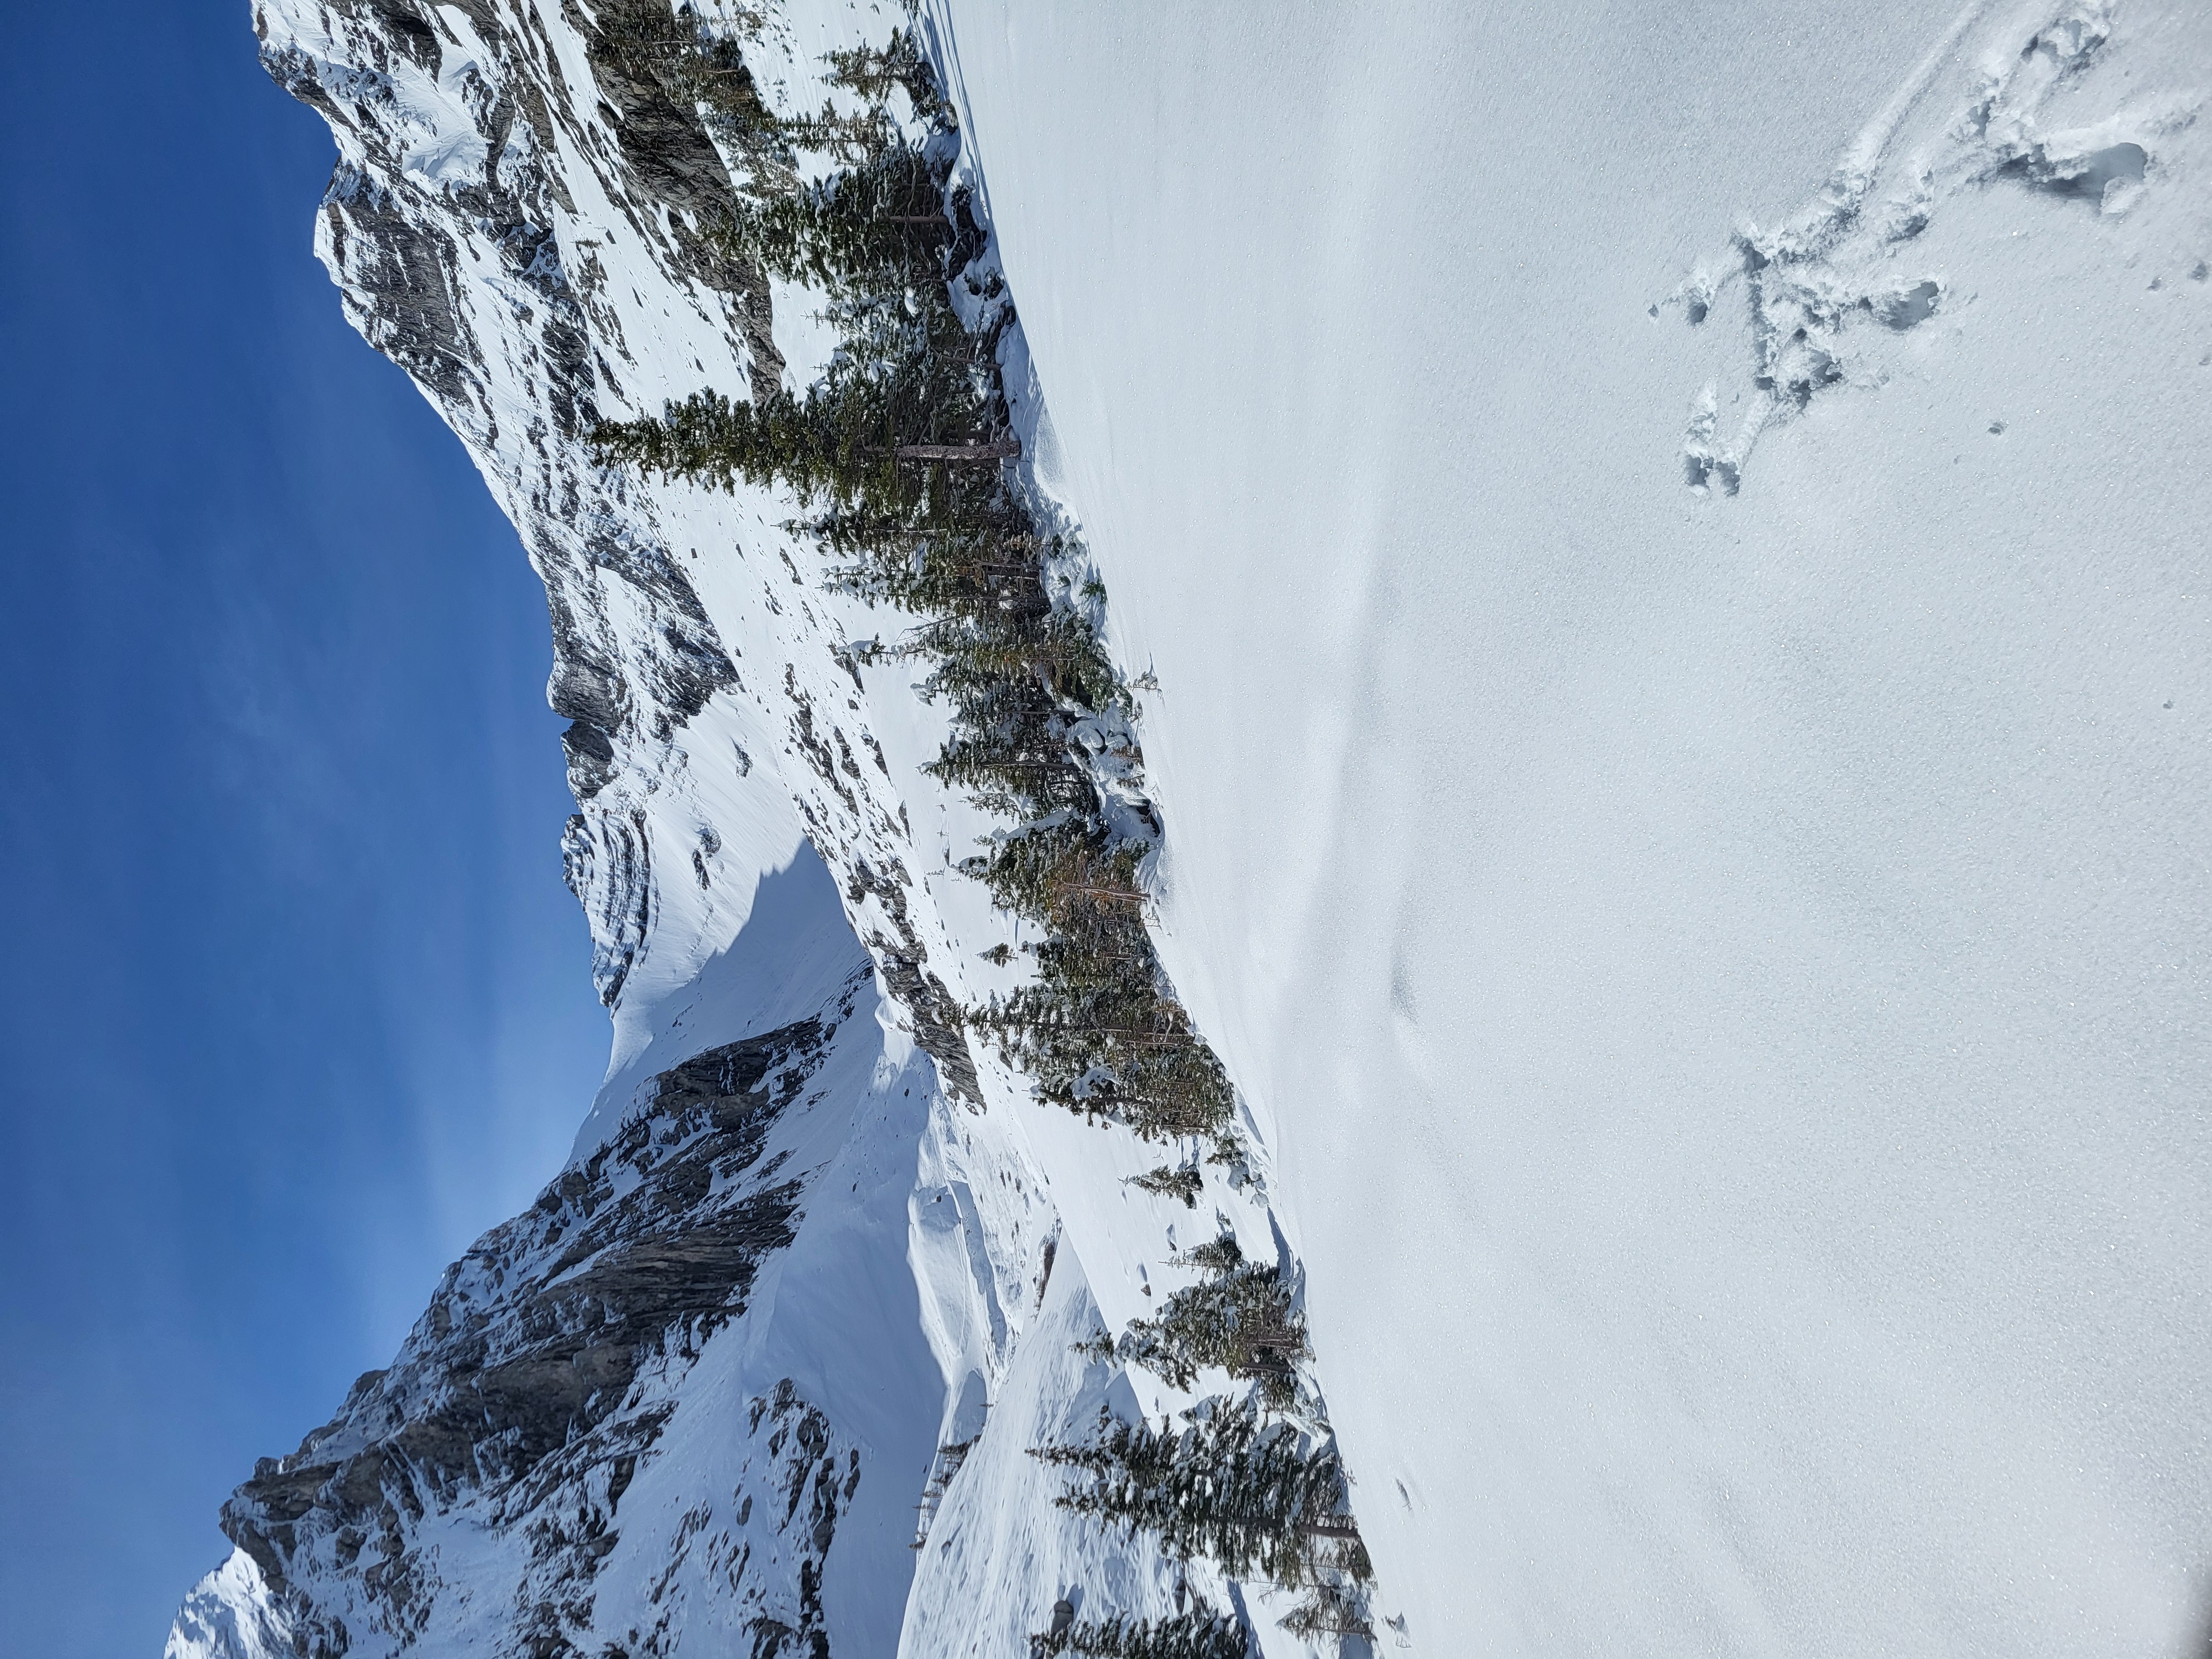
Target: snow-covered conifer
[
  {"x": 1259, "y": 1498},
  {"x": 1183, "y": 1180},
  {"x": 1197, "y": 1634},
  {"x": 1239, "y": 1319}
]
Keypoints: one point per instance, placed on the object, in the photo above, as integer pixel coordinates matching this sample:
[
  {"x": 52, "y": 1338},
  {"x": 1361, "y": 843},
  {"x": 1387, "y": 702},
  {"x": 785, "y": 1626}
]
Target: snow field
[{"x": 1723, "y": 974}]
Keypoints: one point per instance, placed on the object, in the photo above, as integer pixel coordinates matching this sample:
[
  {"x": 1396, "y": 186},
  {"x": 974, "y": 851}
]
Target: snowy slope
[{"x": 1690, "y": 833}]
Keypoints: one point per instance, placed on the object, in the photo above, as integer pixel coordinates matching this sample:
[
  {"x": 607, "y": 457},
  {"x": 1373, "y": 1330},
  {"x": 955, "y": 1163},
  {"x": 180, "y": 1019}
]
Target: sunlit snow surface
[
  {"x": 1724, "y": 973},
  {"x": 1672, "y": 548}
]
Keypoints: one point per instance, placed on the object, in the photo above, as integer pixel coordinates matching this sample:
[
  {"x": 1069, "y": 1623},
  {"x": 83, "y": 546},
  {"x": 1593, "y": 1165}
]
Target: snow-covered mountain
[
  {"x": 1664, "y": 556},
  {"x": 759, "y": 1372}
]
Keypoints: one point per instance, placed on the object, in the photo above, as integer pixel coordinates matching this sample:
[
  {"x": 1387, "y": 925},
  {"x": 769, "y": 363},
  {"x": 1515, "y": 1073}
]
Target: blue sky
[{"x": 293, "y": 1002}]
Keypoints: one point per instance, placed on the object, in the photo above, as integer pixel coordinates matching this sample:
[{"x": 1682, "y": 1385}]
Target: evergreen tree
[
  {"x": 905, "y": 388},
  {"x": 1253, "y": 1497},
  {"x": 856, "y": 438},
  {"x": 1240, "y": 1319},
  {"x": 1331, "y": 1607},
  {"x": 871, "y": 74},
  {"x": 1183, "y": 1182},
  {"x": 1097, "y": 1028},
  {"x": 1102, "y": 1037},
  {"x": 882, "y": 226},
  {"x": 898, "y": 448},
  {"x": 979, "y": 559},
  {"x": 1198, "y": 1634}
]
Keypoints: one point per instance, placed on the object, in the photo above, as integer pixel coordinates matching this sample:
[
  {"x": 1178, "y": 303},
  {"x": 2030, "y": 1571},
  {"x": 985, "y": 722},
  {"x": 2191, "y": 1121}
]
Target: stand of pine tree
[
  {"x": 900, "y": 451},
  {"x": 1240, "y": 1319},
  {"x": 1177, "y": 1180},
  {"x": 1198, "y": 1634},
  {"x": 1253, "y": 1496},
  {"x": 1329, "y": 1608}
]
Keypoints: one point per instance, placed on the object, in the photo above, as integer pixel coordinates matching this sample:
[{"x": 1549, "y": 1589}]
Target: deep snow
[{"x": 1725, "y": 975}]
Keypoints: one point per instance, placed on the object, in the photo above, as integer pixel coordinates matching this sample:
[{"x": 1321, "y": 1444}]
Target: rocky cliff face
[
  {"x": 551, "y": 1363},
  {"x": 757, "y": 1373},
  {"x": 516, "y": 223}
]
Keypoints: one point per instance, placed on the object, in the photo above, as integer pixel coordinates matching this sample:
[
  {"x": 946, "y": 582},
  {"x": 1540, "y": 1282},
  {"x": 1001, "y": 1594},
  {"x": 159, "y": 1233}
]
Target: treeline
[{"x": 902, "y": 453}]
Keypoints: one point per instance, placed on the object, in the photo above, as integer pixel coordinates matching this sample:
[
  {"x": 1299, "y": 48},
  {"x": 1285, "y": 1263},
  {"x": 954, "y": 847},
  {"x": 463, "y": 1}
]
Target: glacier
[{"x": 1662, "y": 559}]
